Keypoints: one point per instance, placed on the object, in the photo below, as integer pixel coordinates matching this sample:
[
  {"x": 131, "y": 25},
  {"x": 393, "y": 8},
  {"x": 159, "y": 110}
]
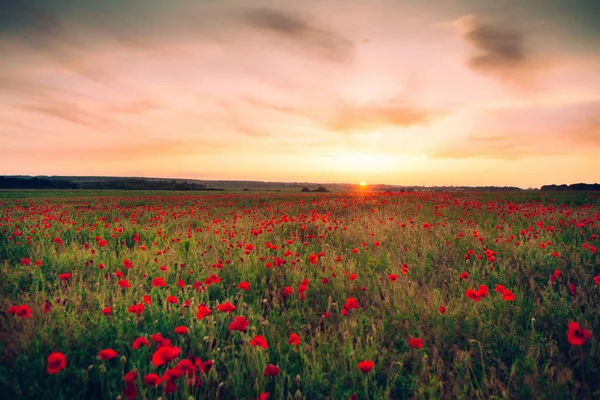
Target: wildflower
[
  {"x": 107, "y": 354},
  {"x": 158, "y": 282},
  {"x": 203, "y": 311},
  {"x": 271, "y": 370},
  {"x": 239, "y": 324},
  {"x": 259, "y": 341},
  {"x": 139, "y": 342},
  {"x": 226, "y": 307},
  {"x": 164, "y": 355},
  {"x": 152, "y": 379},
  {"x": 57, "y": 361},
  {"x": 181, "y": 330},
  {"x": 294, "y": 339},
  {"x": 366, "y": 366},
  {"x": 577, "y": 336}
]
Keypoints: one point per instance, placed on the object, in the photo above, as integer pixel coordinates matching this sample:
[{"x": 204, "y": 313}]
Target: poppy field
[{"x": 141, "y": 295}]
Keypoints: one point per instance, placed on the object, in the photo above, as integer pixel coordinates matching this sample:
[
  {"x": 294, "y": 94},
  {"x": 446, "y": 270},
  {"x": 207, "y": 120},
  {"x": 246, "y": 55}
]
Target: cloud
[
  {"x": 340, "y": 115},
  {"x": 321, "y": 41},
  {"x": 146, "y": 150},
  {"x": 67, "y": 111},
  {"x": 530, "y": 131},
  {"x": 49, "y": 34},
  {"x": 504, "y": 147},
  {"x": 134, "y": 107},
  {"x": 500, "y": 51},
  {"x": 585, "y": 126},
  {"x": 350, "y": 117}
]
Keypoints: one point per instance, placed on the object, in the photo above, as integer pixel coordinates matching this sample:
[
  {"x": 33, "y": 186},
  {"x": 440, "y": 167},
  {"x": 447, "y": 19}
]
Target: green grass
[{"x": 487, "y": 349}]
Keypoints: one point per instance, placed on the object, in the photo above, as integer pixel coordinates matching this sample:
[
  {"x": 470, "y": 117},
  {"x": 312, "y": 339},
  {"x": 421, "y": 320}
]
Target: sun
[{"x": 363, "y": 183}]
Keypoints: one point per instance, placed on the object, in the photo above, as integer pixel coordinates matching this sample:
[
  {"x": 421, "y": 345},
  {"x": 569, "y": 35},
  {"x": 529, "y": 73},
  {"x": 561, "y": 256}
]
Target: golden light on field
[{"x": 363, "y": 183}]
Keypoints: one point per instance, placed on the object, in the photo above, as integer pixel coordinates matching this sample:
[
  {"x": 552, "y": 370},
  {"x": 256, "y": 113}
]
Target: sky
[{"x": 414, "y": 92}]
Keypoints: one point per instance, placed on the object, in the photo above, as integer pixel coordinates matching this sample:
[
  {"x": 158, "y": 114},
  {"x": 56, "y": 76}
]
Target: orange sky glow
[{"x": 386, "y": 91}]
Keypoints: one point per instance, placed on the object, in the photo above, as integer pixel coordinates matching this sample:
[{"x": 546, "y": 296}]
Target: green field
[{"x": 357, "y": 277}]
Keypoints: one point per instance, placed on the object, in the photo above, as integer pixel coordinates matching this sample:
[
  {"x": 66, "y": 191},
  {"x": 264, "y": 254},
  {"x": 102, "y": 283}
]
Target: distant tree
[
  {"x": 321, "y": 189},
  {"x": 305, "y": 190}
]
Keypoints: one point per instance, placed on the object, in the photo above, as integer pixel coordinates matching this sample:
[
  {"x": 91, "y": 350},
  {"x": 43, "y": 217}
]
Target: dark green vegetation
[
  {"x": 401, "y": 257},
  {"x": 109, "y": 183}
]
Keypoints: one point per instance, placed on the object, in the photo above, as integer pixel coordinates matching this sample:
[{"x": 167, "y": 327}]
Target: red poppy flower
[
  {"x": 130, "y": 392},
  {"x": 158, "y": 282},
  {"x": 366, "y": 366},
  {"x": 271, "y": 370},
  {"x": 508, "y": 295},
  {"x": 170, "y": 385},
  {"x": 244, "y": 286},
  {"x": 172, "y": 300},
  {"x": 204, "y": 366},
  {"x": 226, "y": 307},
  {"x": 181, "y": 330},
  {"x": 576, "y": 335},
  {"x": 597, "y": 279},
  {"x": 65, "y": 276},
  {"x": 392, "y": 277},
  {"x": 130, "y": 376},
  {"x": 482, "y": 291},
  {"x": 124, "y": 283},
  {"x": 203, "y": 311},
  {"x": 239, "y": 324},
  {"x": 139, "y": 342},
  {"x": 25, "y": 261},
  {"x": 355, "y": 250},
  {"x": 464, "y": 275},
  {"x": 164, "y": 355},
  {"x": 212, "y": 279},
  {"x": 23, "y": 311},
  {"x": 294, "y": 339},
  {"x": 57, "y": 361},
  {"x": 152, "y": 379},
  {"x": 107, "y": 354},
  {"x": 287, "y": 291},
  {"x": 259, "y": 341},
  {"x": 442, "y": 310},
  {"x": 416, "y": 343},
  {"x": 160, "y": 340},
  {"x": 472, "y": 294},
  {"x": 263, "y": 396},
  {"x": 136, "y": 309},
  {"x": 558, "y": 273}
]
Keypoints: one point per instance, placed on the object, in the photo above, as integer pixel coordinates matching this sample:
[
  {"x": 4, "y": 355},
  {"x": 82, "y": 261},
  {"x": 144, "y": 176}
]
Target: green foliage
[{"x": 490, "y": 348}]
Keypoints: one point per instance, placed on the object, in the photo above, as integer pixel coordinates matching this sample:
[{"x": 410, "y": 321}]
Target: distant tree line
[
  {"x": 575, "y": 186},
  {"x": 117, "y": 184},
  {"x": 320, "y": 189},
  {"x": 34, "y": 183}
]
